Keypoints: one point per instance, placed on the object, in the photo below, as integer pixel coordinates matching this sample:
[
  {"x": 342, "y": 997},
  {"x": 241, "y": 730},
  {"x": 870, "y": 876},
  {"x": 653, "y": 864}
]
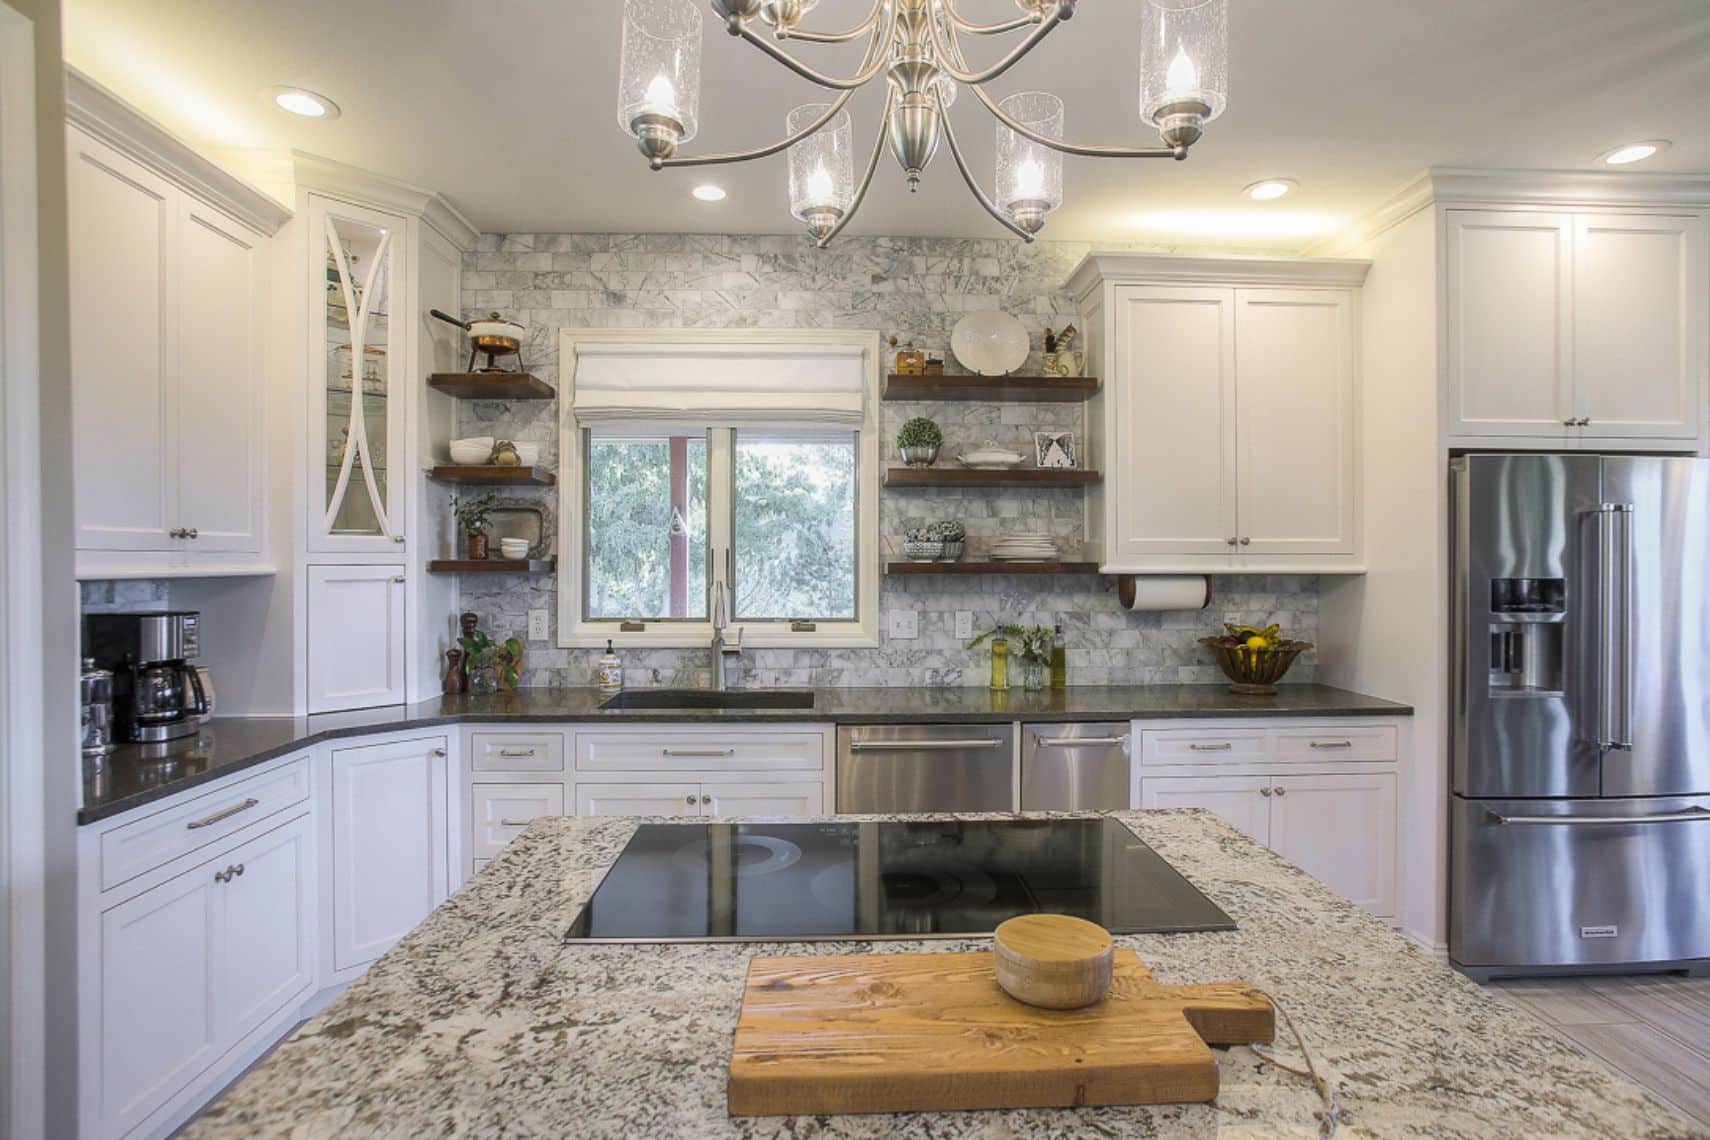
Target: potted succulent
[
  {"x": 922, "y": 544},
  {"x": 1033, "y": 643},
  {"x": 472, "y": 516},
  {"x": 952, "y": 534},
  {"x": 919, "y": 441}
]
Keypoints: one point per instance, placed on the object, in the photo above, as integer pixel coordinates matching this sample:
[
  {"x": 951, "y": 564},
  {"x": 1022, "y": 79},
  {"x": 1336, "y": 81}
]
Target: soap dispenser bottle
[{"x": 611, "y": 671}]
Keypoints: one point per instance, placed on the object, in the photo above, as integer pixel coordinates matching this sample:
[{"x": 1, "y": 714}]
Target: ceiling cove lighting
[
  {"x": 915, "y": 47},
  {"x": 709, "y": 193},
  {"x": 1270, "y": 189},
  {"x": 1633, "y": 152},
  {"x": 308, "y": 104}
]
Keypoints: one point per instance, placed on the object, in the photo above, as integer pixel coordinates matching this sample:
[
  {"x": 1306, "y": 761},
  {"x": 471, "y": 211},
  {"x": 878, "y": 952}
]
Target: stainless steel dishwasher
[
  {"x": 926, "y": 767},
  {"x": 1075, "y": 767}
]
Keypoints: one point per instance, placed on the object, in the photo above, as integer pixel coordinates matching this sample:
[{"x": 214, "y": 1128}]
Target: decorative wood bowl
[
  {"x": 1053, "y": 960},
  {"x": 1255, "y": 672}
]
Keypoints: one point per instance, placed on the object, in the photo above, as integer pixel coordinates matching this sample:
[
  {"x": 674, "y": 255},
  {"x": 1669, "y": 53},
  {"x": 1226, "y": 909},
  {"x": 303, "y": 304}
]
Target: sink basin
[{"x": 711, "y": 699}]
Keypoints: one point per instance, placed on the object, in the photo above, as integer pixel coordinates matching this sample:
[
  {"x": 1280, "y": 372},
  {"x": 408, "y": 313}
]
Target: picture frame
[{"x": 1055, "y": 449}]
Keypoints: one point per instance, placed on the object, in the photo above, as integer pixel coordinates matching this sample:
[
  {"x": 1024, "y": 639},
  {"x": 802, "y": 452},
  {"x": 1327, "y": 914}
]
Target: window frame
[{"x": 577, "y": 631}]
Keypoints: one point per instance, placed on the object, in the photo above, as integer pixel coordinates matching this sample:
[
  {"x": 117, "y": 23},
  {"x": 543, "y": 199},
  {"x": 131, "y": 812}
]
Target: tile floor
[{"x": 1655, "y": 1030}]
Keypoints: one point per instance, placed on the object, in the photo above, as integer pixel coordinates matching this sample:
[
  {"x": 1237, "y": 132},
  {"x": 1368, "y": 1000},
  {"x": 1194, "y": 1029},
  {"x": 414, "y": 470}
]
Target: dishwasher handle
[
  {"x": 1080, "y": 741},
  {"x": 922, "y": 745}
]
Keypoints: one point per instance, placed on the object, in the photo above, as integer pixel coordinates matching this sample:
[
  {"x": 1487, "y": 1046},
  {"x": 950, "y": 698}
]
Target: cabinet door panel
[
  {"x": 1173, "y": 487},
  {"x": 1639, "y": 327},
  {"x": 638, "y": 799},
  {"x": 501, "y": 811},
  {"x": 1295, "y": 421},
  {"x": 219, "y": 452},
  {"x": 158, "y": 1024},
  {"x": 264, "y": 929},
  {"x": 356, "y": 637},
  {"x": 1341, "y": 830},
  {"x": 390, "y": 844},
  {"x": 1239, "y": 800},
  {"x": 1509, "y": 302},
  {"x": 797, "y": 801},
  {"x": 121, "y": 221}
]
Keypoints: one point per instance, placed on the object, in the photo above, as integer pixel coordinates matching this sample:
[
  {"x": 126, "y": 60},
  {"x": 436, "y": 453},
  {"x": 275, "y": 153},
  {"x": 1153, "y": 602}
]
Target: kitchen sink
[{"x": 711, "y": 699}]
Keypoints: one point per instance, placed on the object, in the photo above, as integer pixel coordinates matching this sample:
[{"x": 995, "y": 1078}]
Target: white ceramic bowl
[
  {"x": 514, "y": 548},
  {"x": 476, "y": 449},
  {"x": 528, "y": 453},
  {"x": 989, "y": 342}
]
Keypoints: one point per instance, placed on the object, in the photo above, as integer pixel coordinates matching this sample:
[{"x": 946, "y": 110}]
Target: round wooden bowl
[{"x": 1052, "y": 960}]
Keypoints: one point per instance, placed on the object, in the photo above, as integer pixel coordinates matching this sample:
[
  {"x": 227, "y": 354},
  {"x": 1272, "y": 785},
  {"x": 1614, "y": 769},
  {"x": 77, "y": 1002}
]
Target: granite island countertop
[
  {"x": 137, "y": 774},
  {"x": 481, "y": 1023}
]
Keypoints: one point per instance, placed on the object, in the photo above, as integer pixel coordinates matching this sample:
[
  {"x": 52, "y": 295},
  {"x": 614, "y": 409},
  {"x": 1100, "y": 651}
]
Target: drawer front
[
  {"x": 501, "y": 811},
  {"x": 1364, "y": 742},
  {"x": 517, "y": 751},
  {"x": 699, "y": 752},
  {"x": 135, "y": 848},
  {"x": 1201, "y": 746}
]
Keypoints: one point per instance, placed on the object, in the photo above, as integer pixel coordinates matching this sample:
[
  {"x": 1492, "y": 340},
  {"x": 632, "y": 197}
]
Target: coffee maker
[{"x": 157, "y": 692}]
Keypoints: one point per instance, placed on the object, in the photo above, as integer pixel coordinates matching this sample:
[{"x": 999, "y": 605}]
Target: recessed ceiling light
[
  {"x": 709, "y": 193},
  {"x": 1270, "y": 189},
  {"x": 1633, "y": 152},
  {"x": 305, "y": 103}
]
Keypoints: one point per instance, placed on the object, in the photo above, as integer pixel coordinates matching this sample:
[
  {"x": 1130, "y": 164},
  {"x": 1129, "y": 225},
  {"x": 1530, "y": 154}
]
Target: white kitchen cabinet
[
  {"x": 390, "y": 851},
  {"x": 501, "y": 811},
  {"x": 1576, "y": 329},
  {"x": 638, "y": 799},
  {"x": 1228, "y": 423},
  {"x": 357, "y": 637},
  {"x": 1239, "y": 801},
  {"x": 1341, "y": 829},
  {"x": 166, "y": 304},
  {"x": 796, "y": 800}
]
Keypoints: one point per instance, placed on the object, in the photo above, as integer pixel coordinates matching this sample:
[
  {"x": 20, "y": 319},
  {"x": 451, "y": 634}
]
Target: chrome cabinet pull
[
  {"x": 1226, "y": 746},
  {"x": 920, "y": 745},
  {"x": 1079, "y": 741},
  {"x": 223, "y": 813},
  {"x": 398, "y": 578},
  {"x": 231, "y": 872},
  {"x": 1685, "y": 815},
  {"x": 437, "y": 753},
  {"x": 515, "y": 822},
  {"x": 516, "y": 752},
  {"x": 698, "y": 753},
  {"x": 1323, "y": 745}
]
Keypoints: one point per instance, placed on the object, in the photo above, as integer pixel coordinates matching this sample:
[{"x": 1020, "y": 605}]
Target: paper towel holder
[{"x": 1129, "y": 588}]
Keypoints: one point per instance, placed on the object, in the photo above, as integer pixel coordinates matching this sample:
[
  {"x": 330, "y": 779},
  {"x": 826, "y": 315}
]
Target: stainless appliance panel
[
  {"x": 1659, "y": 618},
  {"x": 923, "y": 768},
  {"x": 1525, "y": 620},
  {"x": 1578, "y": 883},
  {"x": 1075, "y": 767}
]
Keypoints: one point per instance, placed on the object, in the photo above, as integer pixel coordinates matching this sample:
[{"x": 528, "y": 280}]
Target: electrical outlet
[
  {"x": 537, "y": 625},
  {"x": 964, "y": 625},
  {"x": 903, "y": 625}
]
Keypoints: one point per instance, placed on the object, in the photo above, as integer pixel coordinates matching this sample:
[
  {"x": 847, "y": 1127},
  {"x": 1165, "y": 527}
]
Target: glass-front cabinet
[{"x": 358, "y": 355}]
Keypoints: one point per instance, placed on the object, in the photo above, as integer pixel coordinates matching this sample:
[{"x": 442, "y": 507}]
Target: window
[{"x": 744, "y": 460}]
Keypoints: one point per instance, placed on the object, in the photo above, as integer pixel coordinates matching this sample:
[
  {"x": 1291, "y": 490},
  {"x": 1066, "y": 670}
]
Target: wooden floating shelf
[
  {"x": 492, "y": 566},
  {"x": 493, "y": 475},
  {"x": 492, "y": 385},
  {"x": 998, "y": 389},
  {"x": 974, "y": 477},
  {"x": 991, "y": 567}
]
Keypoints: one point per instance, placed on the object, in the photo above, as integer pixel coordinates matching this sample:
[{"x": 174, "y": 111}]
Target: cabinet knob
[
  {"x": 175, "y": 532},
  {"x": 1233, "y": 541},
  {"x": 192, "y": 533},
  {"x": 438, "y": 753},
  {"x": 1282, "y": 791},
  {"x": 689, "y": 799},
  {"x": 1246, "y": 542},
  {"x": 706, "y": 799},
  {"x": 1570, "y": 422},
  {"x": 1264, "y": 791},
  {"x": 1585, "y": 421},
  {"x": 398, "y": 578}
]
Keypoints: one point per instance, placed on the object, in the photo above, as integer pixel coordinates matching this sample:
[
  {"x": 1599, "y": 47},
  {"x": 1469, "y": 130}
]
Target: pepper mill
[{"x": 453, "y": 682}]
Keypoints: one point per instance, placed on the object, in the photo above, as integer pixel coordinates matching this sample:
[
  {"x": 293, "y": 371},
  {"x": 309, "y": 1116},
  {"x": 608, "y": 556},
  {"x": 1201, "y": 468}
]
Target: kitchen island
[{"x": 482, "y": 1022}]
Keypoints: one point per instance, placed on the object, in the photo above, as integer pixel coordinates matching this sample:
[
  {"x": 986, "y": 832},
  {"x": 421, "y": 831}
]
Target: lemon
[{"x": 1258, "y": 641}]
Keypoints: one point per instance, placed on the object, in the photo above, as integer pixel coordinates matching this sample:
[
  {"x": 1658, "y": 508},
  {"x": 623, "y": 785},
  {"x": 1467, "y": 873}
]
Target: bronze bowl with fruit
[{"x": 1254, "y": 659}]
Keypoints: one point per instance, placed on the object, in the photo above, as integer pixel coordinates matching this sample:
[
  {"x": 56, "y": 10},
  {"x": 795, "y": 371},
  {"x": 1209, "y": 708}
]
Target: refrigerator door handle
[
  {"x": 1615, "y": 626},
  {"x": 1686, "y": 815}
]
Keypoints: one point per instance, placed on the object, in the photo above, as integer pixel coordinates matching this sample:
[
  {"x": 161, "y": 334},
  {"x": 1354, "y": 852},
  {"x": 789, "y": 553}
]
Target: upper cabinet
[
  {"x": 1228, "y": 423},
  {"x": 1576, "y": 329},
  {"x": 168, "y": 272}
]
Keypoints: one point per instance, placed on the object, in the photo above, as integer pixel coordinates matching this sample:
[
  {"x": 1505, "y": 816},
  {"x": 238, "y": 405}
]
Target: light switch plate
[
  {"x": 537, "y": 625},
  {"x": 964, "y": 625},
  {"x": 903, "y": 625}
]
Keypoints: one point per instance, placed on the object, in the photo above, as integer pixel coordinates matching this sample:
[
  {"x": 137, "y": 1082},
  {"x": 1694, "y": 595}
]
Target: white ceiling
[{"x": 509, "y": 110}]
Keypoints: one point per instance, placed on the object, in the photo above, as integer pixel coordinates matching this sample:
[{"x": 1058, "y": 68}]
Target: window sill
[{"x": 840, "y": 636}]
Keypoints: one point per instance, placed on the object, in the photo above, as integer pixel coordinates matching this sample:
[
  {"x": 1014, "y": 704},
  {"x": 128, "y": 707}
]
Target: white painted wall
[{"x": 1387, "y": 632}]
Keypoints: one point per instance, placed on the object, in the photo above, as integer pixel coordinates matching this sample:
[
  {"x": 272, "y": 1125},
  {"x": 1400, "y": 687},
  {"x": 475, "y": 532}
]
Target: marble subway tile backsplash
[
  {"x": 124, "y": 595},
  {"x": 915, "y": 289}
]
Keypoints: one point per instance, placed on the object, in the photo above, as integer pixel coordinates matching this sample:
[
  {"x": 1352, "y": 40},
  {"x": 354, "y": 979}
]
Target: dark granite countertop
[{"x": 135, "y": 774}]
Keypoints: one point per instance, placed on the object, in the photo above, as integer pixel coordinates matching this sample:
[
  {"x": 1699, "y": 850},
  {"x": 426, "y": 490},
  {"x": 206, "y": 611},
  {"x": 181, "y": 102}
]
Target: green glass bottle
[
  {"x": 1000, "y": 664},
  {"x": 1059, "y": 660}
]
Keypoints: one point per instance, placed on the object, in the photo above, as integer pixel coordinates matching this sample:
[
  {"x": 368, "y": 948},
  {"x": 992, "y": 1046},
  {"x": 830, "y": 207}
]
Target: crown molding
[
  {"x": 364, "y": 187},
  {"x": 1214, "y": 269},
  {"x": 1457, "y": 186},
  {"x": 1415, "y": 196},
  {"x": 118, "y": 124}
]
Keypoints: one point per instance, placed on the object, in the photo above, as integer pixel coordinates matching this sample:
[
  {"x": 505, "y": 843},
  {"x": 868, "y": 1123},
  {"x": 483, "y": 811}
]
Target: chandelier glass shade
[{"x": 917, "y": 48}]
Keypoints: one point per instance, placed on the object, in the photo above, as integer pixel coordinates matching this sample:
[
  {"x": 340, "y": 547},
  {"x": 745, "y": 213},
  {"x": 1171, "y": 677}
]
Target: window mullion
[{"x": 721, "y": 511}]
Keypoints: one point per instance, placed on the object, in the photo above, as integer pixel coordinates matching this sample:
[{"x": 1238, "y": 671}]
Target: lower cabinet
[
  {"x": 388, "y": 819},
  {"x": 190, "y": 967},
  {"x": 795, "y": 799},
  {"x": 501, "y": 811}
]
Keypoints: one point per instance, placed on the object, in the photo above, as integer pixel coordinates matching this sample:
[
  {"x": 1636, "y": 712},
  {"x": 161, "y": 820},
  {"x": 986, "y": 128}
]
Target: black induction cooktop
[{"x": 787, "y": 882}]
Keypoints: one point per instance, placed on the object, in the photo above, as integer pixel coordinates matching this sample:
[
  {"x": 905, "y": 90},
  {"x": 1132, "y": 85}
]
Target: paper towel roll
[{"x": 1163, "y": 591}]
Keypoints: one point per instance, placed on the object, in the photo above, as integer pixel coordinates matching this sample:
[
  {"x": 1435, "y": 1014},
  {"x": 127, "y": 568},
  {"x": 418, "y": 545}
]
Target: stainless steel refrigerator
[{"x": 1579, "y": 819}]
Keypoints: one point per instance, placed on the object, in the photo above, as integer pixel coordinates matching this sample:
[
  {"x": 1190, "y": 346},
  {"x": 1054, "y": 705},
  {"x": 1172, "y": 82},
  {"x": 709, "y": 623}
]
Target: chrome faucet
[{"x": 723, "y": 644}]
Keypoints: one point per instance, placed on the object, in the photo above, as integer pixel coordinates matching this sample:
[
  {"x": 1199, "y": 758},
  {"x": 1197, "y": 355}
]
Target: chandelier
[{"x": 916, "y": 47}]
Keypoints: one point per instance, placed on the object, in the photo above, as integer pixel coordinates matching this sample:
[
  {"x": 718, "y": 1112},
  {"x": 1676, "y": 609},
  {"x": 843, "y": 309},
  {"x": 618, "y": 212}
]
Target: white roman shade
[{"x": 720, "y": 383}]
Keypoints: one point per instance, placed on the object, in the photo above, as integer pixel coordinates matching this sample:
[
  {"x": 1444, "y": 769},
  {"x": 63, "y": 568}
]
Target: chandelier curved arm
[
  {"x": 947, "y": 52},
  {"x": 842, "y": 37},
  {"x": 877, "y": 59},
  {"x": 997, "y": 29},
  {"x": 867, "y": 176},
  {"x": 968, "y": 175}
]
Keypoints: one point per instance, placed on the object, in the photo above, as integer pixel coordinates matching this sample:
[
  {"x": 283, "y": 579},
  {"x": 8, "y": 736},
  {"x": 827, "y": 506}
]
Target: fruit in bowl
[{"x": 1254, "y": 658}]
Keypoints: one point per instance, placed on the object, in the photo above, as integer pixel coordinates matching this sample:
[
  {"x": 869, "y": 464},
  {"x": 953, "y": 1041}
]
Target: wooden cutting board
[{"x": 933, "y": 1032}]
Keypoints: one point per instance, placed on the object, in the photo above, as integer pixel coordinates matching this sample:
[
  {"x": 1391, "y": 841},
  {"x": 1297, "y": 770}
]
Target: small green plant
[
  {"x": 1032, "y": 642},
  {"x": 920, "y": 432},
  {"x": 473, "y": 514},
  {"x": 482, "y": 652}
]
